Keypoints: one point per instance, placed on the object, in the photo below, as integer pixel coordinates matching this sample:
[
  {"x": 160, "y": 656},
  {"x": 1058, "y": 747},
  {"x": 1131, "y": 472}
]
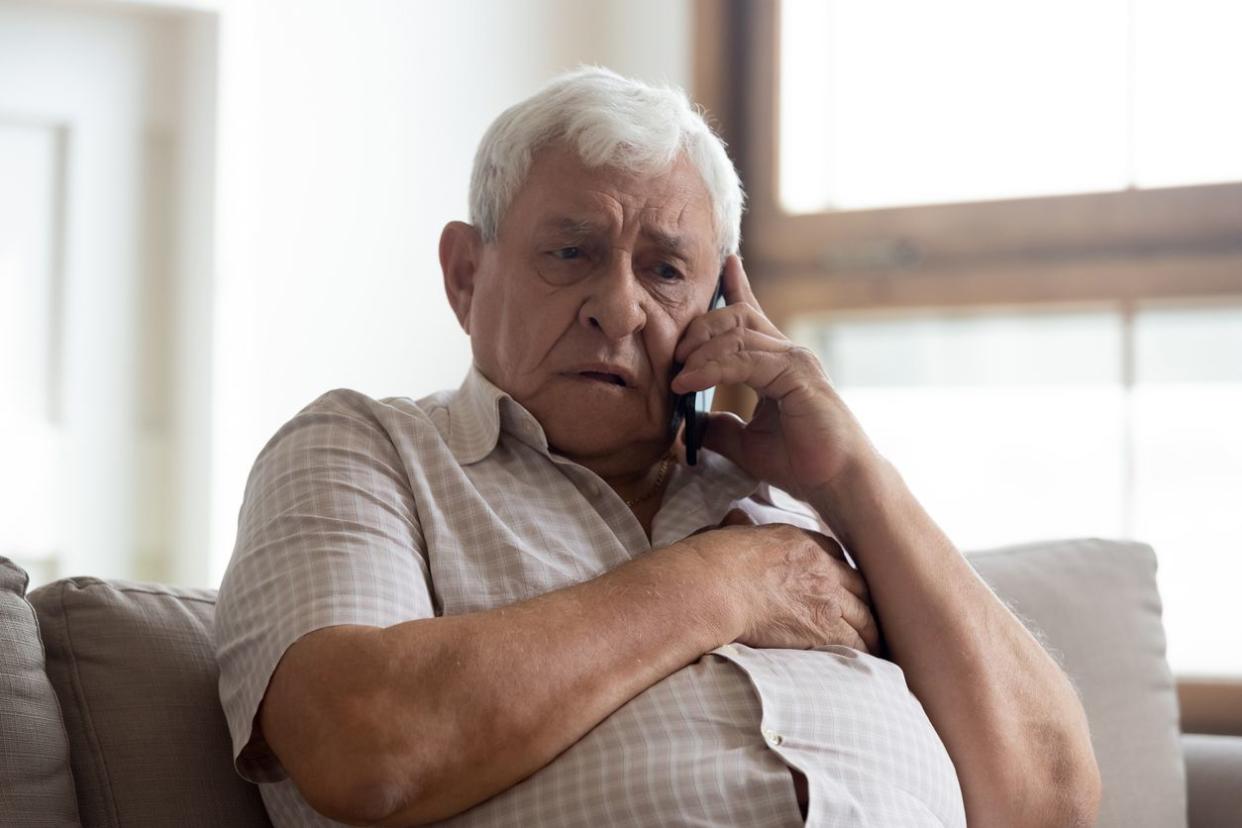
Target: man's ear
[{"x": 461, "y": 251}]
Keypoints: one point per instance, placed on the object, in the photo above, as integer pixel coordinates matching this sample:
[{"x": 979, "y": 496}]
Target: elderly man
[{"x": 516, "y": 604}]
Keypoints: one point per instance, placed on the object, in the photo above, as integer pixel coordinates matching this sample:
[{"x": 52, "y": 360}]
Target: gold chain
[{"x": 655, "y": 487}]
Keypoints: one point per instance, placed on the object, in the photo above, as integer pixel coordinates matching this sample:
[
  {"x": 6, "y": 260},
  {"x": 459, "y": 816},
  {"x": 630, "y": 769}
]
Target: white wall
[
  {"x": 346, "y": 133},
  {"x": 105, "y": 86}
]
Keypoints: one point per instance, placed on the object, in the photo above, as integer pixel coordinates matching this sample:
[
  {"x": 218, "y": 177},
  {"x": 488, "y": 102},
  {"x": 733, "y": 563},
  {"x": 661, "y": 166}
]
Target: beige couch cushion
[
  {"x": 135, "y": 671},
  {"x": 1095, "y": 605},
  {"x": 36, "y": 787}
]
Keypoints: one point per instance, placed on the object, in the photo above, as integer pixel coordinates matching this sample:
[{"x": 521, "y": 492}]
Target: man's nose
[{"x": 615, "y": 302}]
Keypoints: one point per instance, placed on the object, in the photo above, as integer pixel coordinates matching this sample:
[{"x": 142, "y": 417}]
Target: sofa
[{"x": 109, "y": 714}]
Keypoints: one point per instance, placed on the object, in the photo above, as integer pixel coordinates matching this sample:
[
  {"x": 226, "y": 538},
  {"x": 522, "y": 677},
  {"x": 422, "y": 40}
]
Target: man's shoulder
[
  {"x": 345, "y": 415},
  {"x": 348, "y": 402}
]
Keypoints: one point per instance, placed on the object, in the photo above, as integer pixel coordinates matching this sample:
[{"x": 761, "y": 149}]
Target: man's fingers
[
  {"x": 855, "y": 597},
  {"x": 853, "y": 581},
  {"x": 841, "y": 611},
  {"x": 718, "y": 322},
  {"x": 844, "y": 634},
  {"x": 858, "y": 615},
  {"x": 850, "y": 577},
  {"x": 769, "y": 373},
  {"x": 737, "y": 284},
  {"x": 730, "y": 342}
]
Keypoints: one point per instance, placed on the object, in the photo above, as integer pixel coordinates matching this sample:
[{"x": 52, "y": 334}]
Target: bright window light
[
  {"x": 1187, "y": 476},
  {"x": 897, "y": 102},
  {"x": 1014, "y": 427}
]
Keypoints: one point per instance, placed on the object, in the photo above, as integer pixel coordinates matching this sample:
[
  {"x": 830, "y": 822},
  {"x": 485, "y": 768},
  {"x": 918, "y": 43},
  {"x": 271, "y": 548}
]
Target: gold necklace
[{"x": 655, "y": 487}]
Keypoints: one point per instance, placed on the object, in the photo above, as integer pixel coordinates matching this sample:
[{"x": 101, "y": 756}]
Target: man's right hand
[{"x": 792, "y": 587}]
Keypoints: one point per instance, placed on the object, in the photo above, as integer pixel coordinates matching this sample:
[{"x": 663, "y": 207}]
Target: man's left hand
[{"x": 802, "y": 436}]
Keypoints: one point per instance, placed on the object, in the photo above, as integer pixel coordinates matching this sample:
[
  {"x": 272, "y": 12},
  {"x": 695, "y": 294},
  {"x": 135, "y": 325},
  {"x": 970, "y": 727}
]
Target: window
[
  {"x": 914, "y": 185},
  {"x": 889, "y": 103},
  {"x": 1013, "y": 232},
  {"x": 1034, "y": 425},
  {"x": 1186, "y": 409}
]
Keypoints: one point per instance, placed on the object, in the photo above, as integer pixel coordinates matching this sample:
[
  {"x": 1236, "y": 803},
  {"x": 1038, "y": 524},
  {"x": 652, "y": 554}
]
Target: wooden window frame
[
  {"x": 1119, "y": 248},
  {"x": 1123, "y": 246}
]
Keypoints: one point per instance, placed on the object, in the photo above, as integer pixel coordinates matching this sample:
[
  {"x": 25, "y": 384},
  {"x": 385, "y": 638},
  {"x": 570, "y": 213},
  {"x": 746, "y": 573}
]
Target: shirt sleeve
[
  {"x": 328, "y": 534},
  {"x": 773, "y": 505}
]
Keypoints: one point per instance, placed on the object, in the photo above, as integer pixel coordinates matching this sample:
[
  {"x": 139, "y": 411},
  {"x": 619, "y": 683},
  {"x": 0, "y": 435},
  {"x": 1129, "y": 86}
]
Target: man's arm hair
[{"x": 419, "y": 721}]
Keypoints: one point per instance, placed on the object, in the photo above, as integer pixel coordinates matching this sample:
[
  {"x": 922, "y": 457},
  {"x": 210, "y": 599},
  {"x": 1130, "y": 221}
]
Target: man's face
[{"x": 579, "y": 304}]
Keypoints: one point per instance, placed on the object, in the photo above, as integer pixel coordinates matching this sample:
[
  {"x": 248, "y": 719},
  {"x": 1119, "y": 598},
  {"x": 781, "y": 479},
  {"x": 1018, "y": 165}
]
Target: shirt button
[
  {"x": 728, "y": 649},
  {"x": 774, "y": 738}
]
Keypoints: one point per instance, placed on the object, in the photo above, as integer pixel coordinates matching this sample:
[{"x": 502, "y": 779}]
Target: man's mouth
[{"x": 600, "y": 376}]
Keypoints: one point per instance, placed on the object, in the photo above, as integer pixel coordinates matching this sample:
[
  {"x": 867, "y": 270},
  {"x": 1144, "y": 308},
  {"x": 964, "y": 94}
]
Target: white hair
[{"x": 610, "y": 120}]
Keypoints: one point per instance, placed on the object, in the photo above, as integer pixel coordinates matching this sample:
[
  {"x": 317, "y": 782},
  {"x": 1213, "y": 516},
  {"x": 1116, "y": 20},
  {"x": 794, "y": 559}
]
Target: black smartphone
[{"x": 693, "y": 407}]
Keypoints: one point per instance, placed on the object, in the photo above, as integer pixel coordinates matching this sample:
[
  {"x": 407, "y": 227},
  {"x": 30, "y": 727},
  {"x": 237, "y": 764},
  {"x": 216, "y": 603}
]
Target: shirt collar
[{"x": 479, "y": 411}]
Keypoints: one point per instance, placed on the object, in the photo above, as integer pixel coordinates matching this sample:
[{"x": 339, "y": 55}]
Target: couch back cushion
[
  {"x": 1095, "y": 605},
  {"x": 135, "y": 670},
  {"x": 36, "y": 786},
  {"x": 133, "y": 666}
]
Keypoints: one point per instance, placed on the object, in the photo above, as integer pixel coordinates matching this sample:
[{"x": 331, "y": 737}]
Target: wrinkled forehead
[{"x": 561, "y": 194}]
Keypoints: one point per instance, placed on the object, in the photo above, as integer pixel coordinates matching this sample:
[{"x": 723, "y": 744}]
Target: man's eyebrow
[
  {"x": 669, "y": 242},
  {"x": 578, "y": 227}
]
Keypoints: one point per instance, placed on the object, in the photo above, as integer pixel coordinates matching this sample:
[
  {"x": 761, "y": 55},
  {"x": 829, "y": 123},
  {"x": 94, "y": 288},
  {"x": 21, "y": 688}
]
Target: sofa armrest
[{"x": 1213, "y": 771}]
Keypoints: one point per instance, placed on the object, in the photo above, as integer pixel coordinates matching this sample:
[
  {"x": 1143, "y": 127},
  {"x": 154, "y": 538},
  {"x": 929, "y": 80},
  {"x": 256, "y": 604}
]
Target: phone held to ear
[{"x": 693, "y": 407}]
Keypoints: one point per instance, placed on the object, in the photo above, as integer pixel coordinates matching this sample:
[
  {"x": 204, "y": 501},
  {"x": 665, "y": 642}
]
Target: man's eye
[
  {"x": 567, "y": 253},
  {"x": 667, "y": 272}
]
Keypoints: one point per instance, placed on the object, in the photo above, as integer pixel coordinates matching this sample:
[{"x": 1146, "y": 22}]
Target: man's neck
[{"x": 632, "y": 474}]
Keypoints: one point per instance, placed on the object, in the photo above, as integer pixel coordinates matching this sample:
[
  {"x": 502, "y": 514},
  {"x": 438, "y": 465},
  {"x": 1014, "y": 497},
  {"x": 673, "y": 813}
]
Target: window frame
[{"x": 1121, "y": 246}]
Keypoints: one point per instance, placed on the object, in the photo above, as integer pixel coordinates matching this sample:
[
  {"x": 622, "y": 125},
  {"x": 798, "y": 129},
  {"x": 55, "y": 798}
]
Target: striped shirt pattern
[{"x": 376, "y": 512}]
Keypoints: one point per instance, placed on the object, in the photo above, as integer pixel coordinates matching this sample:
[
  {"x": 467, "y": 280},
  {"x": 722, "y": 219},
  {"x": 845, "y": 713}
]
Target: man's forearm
[
  {"x": 1006, "y": 712},
  {"x": 503, "y": 692}
]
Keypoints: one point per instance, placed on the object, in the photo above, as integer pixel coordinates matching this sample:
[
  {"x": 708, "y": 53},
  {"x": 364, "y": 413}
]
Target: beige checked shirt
[{"x": 363, "y": 511}]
